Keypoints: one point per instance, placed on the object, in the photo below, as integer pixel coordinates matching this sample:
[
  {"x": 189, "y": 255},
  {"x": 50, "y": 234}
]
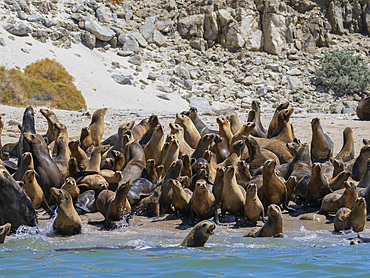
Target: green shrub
[{"x": 344, "y": 73}]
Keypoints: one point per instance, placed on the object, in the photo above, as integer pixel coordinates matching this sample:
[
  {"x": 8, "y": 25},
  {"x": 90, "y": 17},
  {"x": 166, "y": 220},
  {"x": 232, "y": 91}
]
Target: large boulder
[
  {"x": 191, "y": 26},
  {"x": 19, "y": 29},
  {"x": 128, "y": 42},
  {"x": 99, "y": 31}
]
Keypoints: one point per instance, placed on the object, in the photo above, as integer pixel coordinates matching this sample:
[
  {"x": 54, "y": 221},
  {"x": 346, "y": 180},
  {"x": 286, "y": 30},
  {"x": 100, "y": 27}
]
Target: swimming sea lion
[
  {"x": 363, "y": 109},
  {"x": 253, "y": 208},
  {"x": 321, "y": 144},
  {"x": 203, "y": 203},
  {"x": 181, "y": 198},
  {"x": 67, "y": 221},
  {"x": 199, "y": 235},
  {"x": 4, "y": 231},
  {"x": 359, "y": 239},
  {"x": 97, "y": 126},
  {"x": 347, "y": 152},
  {"x": 355, "y": 219},
  {"x": 191, "y": 134}
]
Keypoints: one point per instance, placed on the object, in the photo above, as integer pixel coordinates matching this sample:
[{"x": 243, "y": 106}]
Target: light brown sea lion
[
  {"x": 243, "y": 132},
  {"x": 203, "y": 145},
  {"x": 71, "y": 187},
  {"x": 114, "y": 205},
  {"x": 273, "y": 226},
  {"x": 60, "y": 130},
  {"x": 235, "y": 154},
  {"x": 26, "y": 164},
  {"x": 203, "y": 203},
  {"x": 338, "y": 166},
  {"x": 218, "y": 184},
  {"x": 283, "y": 129},
  {"x": 317, "y": 187},
  {"x": 79, "y": 154},
  {"x": 140, "y": 129},
  {"x": 200, "y": 126},
  {"x": 97, "y": 126},
  {"x": 119, "y": 160},
  {"x": 34, "y": 191},
  {"x": 85, "y": 138},
  {"x": 334, "y": 201},
  {"x": 51, "y": 119},
  {"x": 225, "y": 131},
  {"x": 63, "y": 154},
  {"x": 94, "y": 182},
  {"x": 209, "y": 157},
  {"x": 273, "y": 122},
  {"x": 321, "y": 144},
  {"x": 95, "y": 159},
  {"x": 151, "y": 172},
  {"x": 253, "y": 208},
  {"x": 233, "y": 195},
  {"x": 360, "y": 165},
  {"x": 338, "y": 182},
  {"x": 181, "y": 198},
  {"x": 153, "y": 122},
  {"x": 221, "y": 149},
  {"x": 107, "y": 164},
  {"x": 186, "y": 166},
  {"x": 178, "y": 131},
  {"x": 171, "y": 155},
  {"x": 134, "y": 162},
  {"x": 234, "y": 122},
  {"x": 4, "y": 231},
  {"x": 112, "y": 177},
  {"x": 363, "y": 109},
  {"x": 257, "y": 132},
  {"x": 153, "y": 148},
  {"x": 355, "y": 219},
  {"x": 191, "y": 134},
  {"x": 279, "y": 148},
  {"x": 201, "y": 174},
  {"x": 199, "y": 235},
  {"x": 67, "y": 221},
  {"x": 347, "y": 152}
]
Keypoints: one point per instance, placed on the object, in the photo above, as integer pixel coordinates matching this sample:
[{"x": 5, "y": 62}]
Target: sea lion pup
[
  {"x": 273, "y": 226},
  {"x": 199, "y": 235},
  {"x": 218, "y": 184},
  {"x": 253, "y": 208},
  {"x": 4, "y": 231},
  {"x": 181, "y": 198},
  {"x": 359, "y": 239},
  {"x": 107, "y": 164},
  {"x": 48, "y": 172},
  {"x": 63, "y": 154},
  {"x": 243, "y": 176},
  {"x": 59, "y": 130},
  {"x": 221, "y": 150},
  {"x": 243, "y": 132},
  {"x": 186, "y": 166},
  {"x": 51, "y": 119},
  {"x": 321, "y": 145},
  {"x": 114, "y": 205},
  {"x": 203, "y": 145},
  {"x": 72, "y": 167},
  {"x": 34, "y": 191},
  {"x": 233, "y": 195},
  {"x": 140, "y": 129},
  {"x": 15, "y": 206},
  {"x": 256, "y": 130},
  {"x": 234, "y": 122},
  {"x": 347, "y": 152},
  {"x": 97, "y": 126},
  {"x": 67, "y": 221},
  {"x": 95, "y": 159},
  {"x": 71, "y": 187},
  {"x": 178, "y": 131},
  {"x": 26, "y": 164},
  {"x": 191, "y": 134},
  {"x": 332, "y": 202},
  {"x": 363, "y": 109},
  {"x": 153, "y": 148},
  {"x": 360, "y": 165},
  {"x": 355, "y": 219},
  {"x": 28, "y": 126},
  {"x": 203, "y": 203},
  {"x": 86, "y": 139},
  {"x": 317, "y": 187},
  {"x": 153, "y": 122},
  {"x": 134, "y": 162},
  {"x": 79, "y": 154},
  {"x": 234, "y": 157},
  {"x": 225, "y": 131},
  {"x": 365, "y": 180},
  {"x": 273, "y": 122},
  {"x": 257, "y": 156},
  {"x": 118, "y": 160},
  {"x": 94, "y": 182},
  {"x": 200, "y": 126}
]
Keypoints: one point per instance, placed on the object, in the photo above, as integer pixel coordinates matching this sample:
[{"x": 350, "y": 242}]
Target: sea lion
[
  {"x": 273, "y": 122},
  {"x": 171, "y": 155},
  {"x": 273, "y": 226},
  {"x": 60, "y": 130},
  {"x": 51, "y": 119},
  {"x": 63, "y": 154},
  {"x": 95, "y": 159},
  {"x": 243, "y": 176},
  {"x": 153, "y": 122},
  {"x": 48, "y": 172},
  {"x": 256, "y": 129},
  {"x": 280, "y": 149},
  {"x": 360, "y": 165},
  {"x": 225, "y": 131},
  {"x": 150, "y": 172},
  {"x": 363, "y": 109},
  {"x": 338, "y": 182},
  {"x": 15, "y": 206},
  {"x": 34, "y": 191},
  {"x": 140, "y": 129},
  {"x": 235, "y": 154},
  {"x": 186, "y": 166},
  {"x": 199, "y": 235},
  {"x": 79, "y": 154},
  {"x": 28, "y": 126},
  {"x": 234, "y": 122},
  {"x": 112, "y": 177},
  {"x": 97, "y": 126},
  {"x": 25, "y": 164},
  {"x": 71, "y": 187},
  {"x": 4, "y": 231},
  {"x": 118, "y": 160},
  {"x": 191, "y": 134},
  {"x": 200, "y": 126},
  {"x": 114, "y": 205},
  {"x": 365, "y": 179},
  {"x": 338, "y": 166},
  {"x": 221, "y": 148},
  {"x": 86, "y": 139},
  {"x": 233, "y": 195},
  {"x": 317, "y": 187},
  {"x": 140, "y": 188},
  {"x": 67, "y": 221},
  {"x": 321, "y": 144},
  {"x": 72, "y": 167},
  {"x": 355, "y": 219},
  {"x": 347, "y": 152},
  {"x": 178, "y": 131},
  {"x": 283, "y": 129},
  {"x": 107, "y": 164},
  {"x": 203, "y": 145},
  {"x": 123, "y": 129},
  {"x": 332, "y": 202},
  {"x": 257, "y": 109},
  {"x": 359, "y": 239},
  {"x": 243, "y": 132},
  {"x": 94, "y": 182},
  {"x": 203, "y": 203},
  {"x": 218, "y": 184},
  {"x": 181, "y": 198},
  {"x": 253, "y": 208},
  {"x": 153, "y": 148}
]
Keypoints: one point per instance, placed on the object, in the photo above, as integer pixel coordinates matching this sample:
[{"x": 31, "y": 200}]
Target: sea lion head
[
  {"x": 229, "y": 172},
  {"x": 269, "y": 166},
  {"x": 273, "y": 211},
  {"x": 150, "y": 164},
  {"x": 350, "y": 187},
  {"x": 360, "y": 203},
  {"x": 125, "y": 127},
  {"x": 255, "y": 105},
  {"x": 206, "y": 228},
  {"x": 315, "y": 122},
  {"x": 248, "y": 127},
  {"x": 237, "y": 147},
  {"x": 316, "y": 168},
  {"x": 252, "y": 188},
  {"x": 365, "y": 150},
  {"x": 29, "y": 176},
  {"x": 176, "y": 185},
  {"x": 85, "y": 131},
  {"x": 222, "y": 121},
  {"x": 124, "y": 189},
  {"x": 153, "y": 121},
  {"x": 176, "y": 128},
  {"x": 60, "y": 195},
  {"x": 199, "y": 235},
  {"x": 201, "y": 185},
  {"x": 287, "y": 113},
  {"x": 70, "y": 185},
  {"x": 185, "y": 181},
  {"x": 27, "y": 157}
]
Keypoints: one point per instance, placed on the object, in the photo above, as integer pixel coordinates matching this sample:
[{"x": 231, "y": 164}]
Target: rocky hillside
[{"x": 209, "y": 52}]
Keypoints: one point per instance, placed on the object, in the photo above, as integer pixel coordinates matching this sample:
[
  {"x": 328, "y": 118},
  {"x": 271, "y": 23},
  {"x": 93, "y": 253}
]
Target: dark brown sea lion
[
  {"x": 95, "y": 159},
  {"x": 360, "y": 165},
  {"x": 48, "y": 172},
  {"x": 359, "y": 239},
  {"x": 191, "y": 134},
  {"x": 347, "y": 152},
  {"x": 51, "y": 119},
  {"x": 63, "y": 154},
  {"x": 218, "y": 184},
  {"x": 171, "y": 155},
  {"x": 224, "y": 130},
  {"x": 151, "y": 172},
  {"x": 203, "y": 203},
  {"x": 365, "y": 180},
  {"x": 338, "y": 182},
  {"x": 107, "y": 164},
  {"x": 123, "y": 129},
  {"x": 86, "y": 139},
  {"x": 273, "y": 122},
  {"x": 221, "y": 148},
  {"x": 72, "y": 167},
  {"x": 273, "y": 226},
  {"x": 79, "y": 154},
  {"x": 338, "y": 166},
  {"x": 235, "y": 154},
  {"x": 114, "y": 205},
  {"x": 140, "y": 129},
  {"x": 355, "y": 219},
  {"x": 363, "y": 109},
  {"x": 200, "y": 126},
  {"x": 118, "y": 160},
  {"x": 203, "y": 145},
  {"x": 234, "y": 122},
  {"x": 67, "y": 221},
  {"x": 257, "y": 132},
  {"x": 28, "y": 126},
  {"x": 153, "y": 122},
  {"x": 256, "y": 107},
  {"x": 153, "y": 148},
  {"x": 186, "y": 166},
  {"x": 321, "y": 145},
  {"x": 97, "y": 126},
  {"x": 4, "y": 231},
  {"x": 181, "y": 198},
  {"x": 253, "y": 208},
  {"x": 25, "y": 164},
  {"x": 243, "y": 176},
  {"x": 199, "y": 235},
  {"x": 317, "y": 187},
  {"x": 283, "y": 129}
]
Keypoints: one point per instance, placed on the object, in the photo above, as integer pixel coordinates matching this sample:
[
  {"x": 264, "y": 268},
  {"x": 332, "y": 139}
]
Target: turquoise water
[{"x": 155, "y": 253}]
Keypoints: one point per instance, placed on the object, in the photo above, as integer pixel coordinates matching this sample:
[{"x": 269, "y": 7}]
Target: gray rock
[
  {"x": 140, "y": 39},
  {"x": 249, "y": 80},
  {"x": 129, "y": 43},
  {"x": 101, "y": 32},
  {"x": 273, "y": 67},
  {"x": 294, "y": 83},
  {"x": 147, "y": 28},
  {"x": 34, "y": 18},
  {"x": 135, "y": 59},
  {"x": 191, "y": 26},
  {"x": 124, "y": 53},
  {"x": 49, "y": 23},
  {"x": 261, "y": 91},
  {"x": 294, "y": 72},
  {"x": 102, "y": 15},
  {"x": 89, "y": 39},
  {"x": 122, "y": 79},
  {"x": 349, "y": 110},
  {"x": 22, "y": 15},
  {"x": 201, "y": 103},
  {"x": 182, "y": 72},
  {"x": 152, "y": 76},
  {"x": 188, "y": 85},
  {"x": 198, "y": 43},
  {"x": 164, "y": 24},
  {"x": 210, "y": 26},
  {"x": 158, "y": 38},
  {"x": 224, "y": 17},
  {"x": 2, "y": 42},
  {"x": 19, "y": 29},
  {"x": 40, "y": 35},
  {"x": 128, "y": 16},
  {"x": 338, "y": 109},
  {"x": 14, "y": 123}
]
